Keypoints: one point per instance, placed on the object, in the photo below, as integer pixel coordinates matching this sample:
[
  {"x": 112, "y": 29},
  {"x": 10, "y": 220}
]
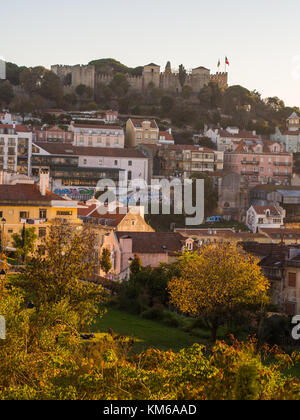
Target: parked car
[{"x": 214, "y": 219}]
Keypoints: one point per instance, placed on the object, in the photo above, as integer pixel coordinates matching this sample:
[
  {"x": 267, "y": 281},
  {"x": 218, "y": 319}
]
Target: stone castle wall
[{"x": 167, "y": 80}]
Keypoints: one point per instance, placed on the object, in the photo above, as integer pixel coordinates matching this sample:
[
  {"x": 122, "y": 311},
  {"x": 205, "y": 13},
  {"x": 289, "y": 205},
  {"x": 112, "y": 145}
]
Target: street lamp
[{"x": 3, "y": 221}]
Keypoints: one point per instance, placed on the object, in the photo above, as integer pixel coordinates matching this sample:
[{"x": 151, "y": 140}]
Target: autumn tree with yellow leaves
[{"x": 217, "y": 282}]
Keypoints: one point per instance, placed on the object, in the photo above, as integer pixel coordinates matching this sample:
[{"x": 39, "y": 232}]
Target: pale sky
[{"x": 259, "y": 37}]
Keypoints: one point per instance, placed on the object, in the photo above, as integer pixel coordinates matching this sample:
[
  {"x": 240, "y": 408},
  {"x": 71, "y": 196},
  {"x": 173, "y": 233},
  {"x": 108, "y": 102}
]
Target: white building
[
  {"x": 226, "y": 140},
  {"x": 265, "y": 217},
  {"x": 15, "y": 148},
  {"x": 290, "y": 138},
  {"x": 64, "y": 158},
  {"x": 88, "y": 135}
]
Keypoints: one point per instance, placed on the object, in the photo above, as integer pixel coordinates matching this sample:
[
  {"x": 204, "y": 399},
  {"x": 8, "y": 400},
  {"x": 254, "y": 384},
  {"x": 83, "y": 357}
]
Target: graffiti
[{"x": 76, "y": 192}]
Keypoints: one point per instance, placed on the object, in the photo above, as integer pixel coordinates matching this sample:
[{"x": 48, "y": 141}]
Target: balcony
[
  {"x": 287, "y": 164},
  {"x": 250, "y": 162},
  {"x": 33, "y": 221}
]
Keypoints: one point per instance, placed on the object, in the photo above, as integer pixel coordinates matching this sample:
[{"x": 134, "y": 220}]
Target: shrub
[{"x": 153, "y": 313}]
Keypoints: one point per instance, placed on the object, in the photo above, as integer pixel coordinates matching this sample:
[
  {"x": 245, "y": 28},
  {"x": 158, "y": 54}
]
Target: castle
[{"x": 168, "y": 80}]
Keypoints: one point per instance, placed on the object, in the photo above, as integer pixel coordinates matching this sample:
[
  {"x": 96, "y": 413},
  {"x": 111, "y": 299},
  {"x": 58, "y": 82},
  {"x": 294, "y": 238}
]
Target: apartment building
[
  {"x": 15, "y": 148},
  {"x": 260, "y": 162},
  {"x": 53, "y": 134},
  {"x": 79, "y": 169},
  {"x": 141, "y": 132},
  {"x": 88, "y": 135},
  {"x": 24, "y": 203},
  {"x": 177, "y": 160},
  {"x": 227, "y": 139},
  {"x": 290, "y": 138}
]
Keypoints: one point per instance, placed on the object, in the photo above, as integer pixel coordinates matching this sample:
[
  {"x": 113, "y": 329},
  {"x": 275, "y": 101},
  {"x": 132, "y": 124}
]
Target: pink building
[
  {"x": 53, "y": 135},
  {"x": 260, "y": 162}
]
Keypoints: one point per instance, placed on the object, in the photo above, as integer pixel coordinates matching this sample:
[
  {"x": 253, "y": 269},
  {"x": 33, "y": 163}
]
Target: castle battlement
[{"x": 167, "y": 80}]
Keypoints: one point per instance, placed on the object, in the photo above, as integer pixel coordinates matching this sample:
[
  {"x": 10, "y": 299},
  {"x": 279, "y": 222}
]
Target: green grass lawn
[
  {"x": 154, "y": 334},
  {"x": 146, "y": 333}
]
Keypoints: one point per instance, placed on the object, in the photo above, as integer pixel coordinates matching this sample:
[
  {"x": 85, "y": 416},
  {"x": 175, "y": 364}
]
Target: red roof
[
  {"x": 18, "y": 128},
  {"x": 261, "y": 210},
  {"x": 153, "y": 242},
  {"x": 167, "y": 135},
  {"x": 102, "y": 127},
  {"x": 138, "y": 123},
  {"x": 26, "y": 193},
  {"x": 243, "y": 134},
  {"x": 68, "y": 149}
]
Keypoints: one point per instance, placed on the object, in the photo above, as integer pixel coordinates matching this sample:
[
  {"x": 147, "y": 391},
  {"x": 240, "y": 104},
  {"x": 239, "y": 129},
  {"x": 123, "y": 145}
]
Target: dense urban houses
[
  {"x": 120, "y": 219},
  {"x": 177, "y": 160},
  {"x": 221, "y": 235},
  {"x": 281, "y": 265},
  {"x": 260, "y": 162},
  {"x": 15, "y": 148},
  {"x": 73, "y": 169},
  {"x": 287, "y": 197},
  {"x": 101, "y": 116},
  {"x": 23, "y": 203},
  {"x": 227, "y": 139},
  {"x": 259, "y": 217},
  {"x": 89, "y": 135},
  {"x": 290, "y": 138},
  {"x": 53, "y": 134},
  {"x": 153, "y": 248}
]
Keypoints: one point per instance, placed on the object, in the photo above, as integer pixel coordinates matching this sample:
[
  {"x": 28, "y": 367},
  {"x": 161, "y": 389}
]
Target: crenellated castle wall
[{"x": 167, "y": 80}]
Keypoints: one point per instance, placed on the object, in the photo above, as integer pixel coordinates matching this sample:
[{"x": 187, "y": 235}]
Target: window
[
  {"x": 85, "y": 161},
  {"x": 1, "y": 214},
  {"x": 292, "y": 277},
  {"x": 130, "y": 163},
  {"x": 129, "y": 175},
  {"x": 43, "y": 214},
  {"x": 116, "y": 163},
  {"x": 64, "y": 213},
  {"x": 24, "y": 214}
]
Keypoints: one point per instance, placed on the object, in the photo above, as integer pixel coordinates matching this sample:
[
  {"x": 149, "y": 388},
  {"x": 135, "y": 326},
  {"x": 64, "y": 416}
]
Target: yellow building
[
  {"x": 33, "y": 206},
  {"x": 141, "y": 132}
]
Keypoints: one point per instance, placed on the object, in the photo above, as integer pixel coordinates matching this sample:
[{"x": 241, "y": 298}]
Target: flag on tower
[{"x": 226, "y": 61}]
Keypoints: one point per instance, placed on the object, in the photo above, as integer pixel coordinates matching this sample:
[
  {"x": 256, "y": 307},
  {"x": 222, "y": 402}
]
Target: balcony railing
[{"x": 33, "y": 221}]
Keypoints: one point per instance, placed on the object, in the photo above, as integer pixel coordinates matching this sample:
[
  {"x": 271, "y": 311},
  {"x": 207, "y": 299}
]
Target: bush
[
  {"x": 171, "y": 319},
  {"x": 156, "y": 314}
]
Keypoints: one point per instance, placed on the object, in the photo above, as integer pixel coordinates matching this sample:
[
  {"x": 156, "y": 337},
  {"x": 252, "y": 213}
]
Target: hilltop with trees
[{"x": 33, "y": 90}]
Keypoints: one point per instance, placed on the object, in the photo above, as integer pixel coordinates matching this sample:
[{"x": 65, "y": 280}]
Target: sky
[{"x": 259, "y": 37}]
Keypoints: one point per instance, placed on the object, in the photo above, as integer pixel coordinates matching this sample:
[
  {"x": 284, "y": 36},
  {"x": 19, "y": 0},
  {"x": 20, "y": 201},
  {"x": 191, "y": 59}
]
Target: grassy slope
[{"x": 147, "y": 333}]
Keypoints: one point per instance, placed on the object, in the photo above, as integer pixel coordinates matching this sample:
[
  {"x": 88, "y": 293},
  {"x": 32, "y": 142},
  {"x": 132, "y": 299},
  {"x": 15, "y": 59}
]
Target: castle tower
[
  {"x": 168, "y": 69},
  {"x": 151, "y": 74}
]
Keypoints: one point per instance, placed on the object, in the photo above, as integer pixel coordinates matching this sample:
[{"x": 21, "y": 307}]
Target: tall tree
[
  {"x": 105, "y": 261},
  {"x": 61, "y": 272},
  {"x": 182, "y": 75},
  {"x": 216, "y": 283},
  {"x": 24, "y": 242}
]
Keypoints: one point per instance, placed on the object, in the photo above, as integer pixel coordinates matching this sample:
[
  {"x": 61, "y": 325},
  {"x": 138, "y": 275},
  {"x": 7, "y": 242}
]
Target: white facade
[
  {"x": 98, "y": 136},
  {"x": 265, "y": 217},
  {"x": 15, "y": 149},
  {"x": 137, "y": 168}
]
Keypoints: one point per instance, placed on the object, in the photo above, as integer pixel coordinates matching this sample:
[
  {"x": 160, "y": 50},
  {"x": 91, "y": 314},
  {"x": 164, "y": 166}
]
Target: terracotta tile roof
[
  {"x": 86, "y": 211},
  {"x": 243, "y": 134},
  {"x": 26, "y": 192},
  {"x": 138, "y": 122},
  {"x": 282, "y": 233},
  {"x": 291, "y": 133},
  {"x": 261, "y": 210},
  {"x": 167, "y": 135},
  {"x": 108, "y": 219},
  {"x": 153, "y": 242},
  {"x": 102, "y": 127},
  {"x": 67, "y": 149},
  {"x": 18, "y": 128}
]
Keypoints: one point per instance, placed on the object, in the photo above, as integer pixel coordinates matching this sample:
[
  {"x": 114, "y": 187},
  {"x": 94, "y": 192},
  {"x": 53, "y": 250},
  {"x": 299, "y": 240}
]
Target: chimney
[
  {"x": 170, "y": 131},
  {"x": 44, "y": 181}
]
